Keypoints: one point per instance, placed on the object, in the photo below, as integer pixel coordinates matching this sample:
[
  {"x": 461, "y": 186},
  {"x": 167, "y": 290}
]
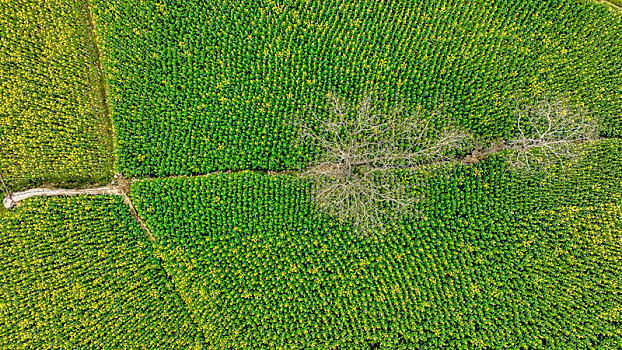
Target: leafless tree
[
  {"x": 362, "y": 173},
  {"x": 359, "y": 176},
  {"x": 549, "y": 131}
]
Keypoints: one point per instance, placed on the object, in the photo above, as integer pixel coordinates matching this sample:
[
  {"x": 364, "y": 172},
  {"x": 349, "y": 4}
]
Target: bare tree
[
  {"x": 359, "y": 175},
  {"x": 549, "y": 131}
]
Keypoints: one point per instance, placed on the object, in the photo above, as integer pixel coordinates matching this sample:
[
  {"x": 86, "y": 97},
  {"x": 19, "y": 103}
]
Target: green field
[
  {"x": 78, "y": 274},
  {"x": 203, "y": 86},
  {"x": 493, "y": 259},
  {"x": 53, "y": 124},
  {"x": 496, "y": 262}
]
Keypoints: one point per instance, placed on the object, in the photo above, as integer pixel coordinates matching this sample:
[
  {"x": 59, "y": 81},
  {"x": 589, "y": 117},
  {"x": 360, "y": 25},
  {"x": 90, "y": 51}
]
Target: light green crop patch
[
  {"x": 77, "y": 273},
  {"x": 52, "y": 122}
]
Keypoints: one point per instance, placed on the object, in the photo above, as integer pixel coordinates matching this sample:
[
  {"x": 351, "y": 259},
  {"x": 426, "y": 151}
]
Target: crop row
[
  {"x": 53, "y": 128},
  {"x": 495, "y": 261},
  {"x": 77, "y": 274},
  {"x": 203, "y": 86}
]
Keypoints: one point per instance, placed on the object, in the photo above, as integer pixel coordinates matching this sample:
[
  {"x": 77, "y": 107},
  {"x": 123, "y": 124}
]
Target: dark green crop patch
[
  {"x": 203, "y": 86},
  {"x": 258, "y": 268}
]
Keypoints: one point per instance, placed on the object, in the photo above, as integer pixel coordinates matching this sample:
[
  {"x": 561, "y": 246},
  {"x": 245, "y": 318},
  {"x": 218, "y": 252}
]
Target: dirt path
[
  {"x": 120, "y": 190},
  {"x": 17, "y": 197},
  {"x": 121, "y": 185}
]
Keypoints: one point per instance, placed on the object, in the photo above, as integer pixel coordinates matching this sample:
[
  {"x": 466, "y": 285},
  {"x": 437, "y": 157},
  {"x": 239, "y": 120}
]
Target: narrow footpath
[
  {"x": 13, "y": 199},
  {"x": 121, "y": 185}
]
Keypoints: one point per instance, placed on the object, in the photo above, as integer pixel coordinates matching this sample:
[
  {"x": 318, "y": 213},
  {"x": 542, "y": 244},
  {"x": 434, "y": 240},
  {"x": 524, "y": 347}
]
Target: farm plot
[
  {"x": 204, "y": 86},
  {"x": 77, "y": 274},
  {"x": 53, "y": 127},
  {"x": 257, "y": 267}
]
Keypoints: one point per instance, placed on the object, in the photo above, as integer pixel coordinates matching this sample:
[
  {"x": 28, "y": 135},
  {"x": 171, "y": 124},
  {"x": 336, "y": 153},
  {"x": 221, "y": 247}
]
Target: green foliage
[
  {"x": 595, "y": 179},
  {"x": 78, "y": 274},
  {"x": 53, "y": 128},
  {"x": 491, "y": 264},
  {"x": 198, "y": 86}
]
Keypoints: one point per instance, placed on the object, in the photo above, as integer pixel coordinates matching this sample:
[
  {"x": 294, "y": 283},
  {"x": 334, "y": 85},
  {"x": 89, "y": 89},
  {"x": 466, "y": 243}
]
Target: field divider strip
[
  {"x": 102, "y": 84},
  {"x": 123, "y": 184},
  {"x": 48, "y": 192},
  {"x": 183, "y": 299},
  {"x": 122, "y": 189},
  {"x": 136, "y": 216}
]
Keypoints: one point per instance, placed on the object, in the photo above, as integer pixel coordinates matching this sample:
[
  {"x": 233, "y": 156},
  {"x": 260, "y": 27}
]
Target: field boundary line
[
  {"x": 184, "y": 301},
  {"x": 127, "y": 200},
  {"x": 102, "y": 83},
  {"x": 122, "y": 186}
]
